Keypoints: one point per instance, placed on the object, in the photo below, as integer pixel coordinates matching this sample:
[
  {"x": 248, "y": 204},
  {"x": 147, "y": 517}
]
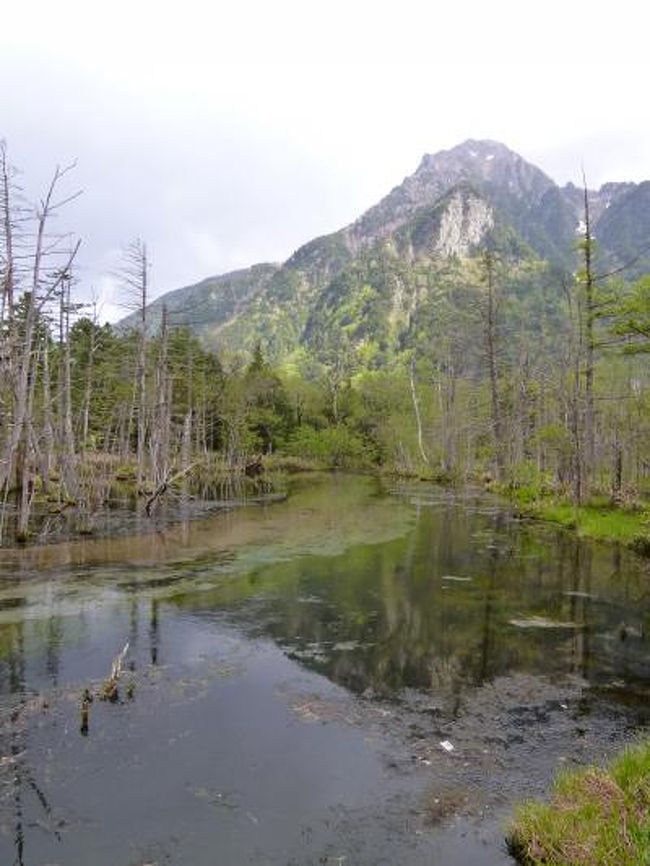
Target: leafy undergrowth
[
  {"x": 293, "y": 464},
  {"x": 595, "y": 818}
]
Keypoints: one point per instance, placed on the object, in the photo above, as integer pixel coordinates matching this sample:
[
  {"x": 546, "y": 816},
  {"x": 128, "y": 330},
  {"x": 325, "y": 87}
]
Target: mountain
[
  {"x": 623, "y": 228},
  {"x": 215, "y": 299},
  {"x": 370, "y": 280},
  {"x": 523, "y": 195}
]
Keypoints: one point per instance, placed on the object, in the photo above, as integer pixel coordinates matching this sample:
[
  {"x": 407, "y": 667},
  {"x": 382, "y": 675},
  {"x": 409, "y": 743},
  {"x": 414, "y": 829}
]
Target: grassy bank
[
  {"x": 597, "y": 518},
  {"x": 596, "y": 817}
]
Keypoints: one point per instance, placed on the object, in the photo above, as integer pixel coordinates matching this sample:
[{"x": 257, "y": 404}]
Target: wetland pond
[{"x": 292, "y": 672}]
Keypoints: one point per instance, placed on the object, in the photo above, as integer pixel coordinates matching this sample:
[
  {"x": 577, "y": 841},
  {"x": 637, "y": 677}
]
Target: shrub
[{"x": 337, "y": 447}]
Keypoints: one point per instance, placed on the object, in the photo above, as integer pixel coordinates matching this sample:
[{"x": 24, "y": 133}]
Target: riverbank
[
  {"x": 596, "y": 817},
  {"x": 598, "y": 519},
  {"x": 218, "y": 486}
]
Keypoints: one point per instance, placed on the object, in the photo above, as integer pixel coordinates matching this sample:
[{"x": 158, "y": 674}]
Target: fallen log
[{"x": 164, "y": 485}]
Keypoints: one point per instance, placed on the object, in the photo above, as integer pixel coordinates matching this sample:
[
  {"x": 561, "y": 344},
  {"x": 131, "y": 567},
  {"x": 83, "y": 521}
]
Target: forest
[{"x": 513, "y": 373}]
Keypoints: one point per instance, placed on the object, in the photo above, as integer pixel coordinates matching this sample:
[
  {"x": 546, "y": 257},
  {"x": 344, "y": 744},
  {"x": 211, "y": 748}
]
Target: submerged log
[
  {"x": 86, "y": 701},
  {"x": 109, "y": 690}
]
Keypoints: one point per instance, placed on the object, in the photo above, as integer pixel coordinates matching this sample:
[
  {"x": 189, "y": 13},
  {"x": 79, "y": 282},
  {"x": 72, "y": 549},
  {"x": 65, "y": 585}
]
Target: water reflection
[
  {"x": 414, "y": 594},
  {"x": 25, "y": 795},
  {"x": 466, "y": 596},
  {"x": 438, "y": 600}
]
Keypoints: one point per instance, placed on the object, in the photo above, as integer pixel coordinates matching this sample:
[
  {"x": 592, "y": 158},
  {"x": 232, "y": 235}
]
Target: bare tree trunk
[
  {"x": 66, "y": 445},
  {"x": 142, "y": 374},
  {"x": 135, "y": 278},
  {"x": 416, "y": 410},
  {"x": 186, "y": 442},
  {"x": 160, "y": 423},
  {"x": 447, "y": 404},
  {"x": 589, "y": 340},
  {"x": 48, "y": 420},
  {"x": 491, "y": 347},
  {"x": 186, "y": 446},
  {"x": 24, "y": 468},
  {"x": 578, "y": 490},
  {"x": 88, "y": 386},
  {"x": 8, "y": 278}
]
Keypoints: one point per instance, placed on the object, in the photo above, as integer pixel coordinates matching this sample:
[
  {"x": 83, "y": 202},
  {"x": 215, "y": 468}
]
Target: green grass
[
  {"x": 598, "y": 519},
  {"x": 595, "y": 818},
  {"x": 593, "y": 521}
]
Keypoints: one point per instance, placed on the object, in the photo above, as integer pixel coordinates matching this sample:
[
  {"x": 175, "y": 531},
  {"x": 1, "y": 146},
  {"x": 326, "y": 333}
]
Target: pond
[{"x": 366, "y": 673}]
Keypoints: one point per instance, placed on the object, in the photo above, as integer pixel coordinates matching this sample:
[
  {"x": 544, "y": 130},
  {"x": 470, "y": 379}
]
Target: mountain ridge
[{"x": 457, "y": 201}]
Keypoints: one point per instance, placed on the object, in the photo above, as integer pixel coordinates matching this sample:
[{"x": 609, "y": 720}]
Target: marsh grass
[
  {"x": 598, "y": 519},
  {"x": 596, "y": 817}
]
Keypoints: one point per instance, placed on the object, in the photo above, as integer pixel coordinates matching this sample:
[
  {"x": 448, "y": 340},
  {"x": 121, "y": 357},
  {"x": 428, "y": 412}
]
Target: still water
[{"x": 292, "y": 671}]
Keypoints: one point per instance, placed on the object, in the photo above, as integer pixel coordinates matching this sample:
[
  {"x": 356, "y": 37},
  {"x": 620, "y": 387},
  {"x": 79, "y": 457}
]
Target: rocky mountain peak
[
  {"x": 489, "y": 165},
  {"x": 495, "y": 172},
  {"x": 468, "y": 154}
]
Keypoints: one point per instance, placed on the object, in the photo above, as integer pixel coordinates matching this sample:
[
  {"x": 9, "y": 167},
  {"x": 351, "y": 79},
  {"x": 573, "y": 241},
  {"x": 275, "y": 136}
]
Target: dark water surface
[{"x": 294, "y": 669}]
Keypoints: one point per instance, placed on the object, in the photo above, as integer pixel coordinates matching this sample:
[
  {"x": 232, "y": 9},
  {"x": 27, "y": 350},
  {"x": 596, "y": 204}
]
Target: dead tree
[
  {"x": 44, "y": 282},
  {"x": 589, "y": 317},
  {"x": 134, "y": 275},
  {"x": 416, "y": 411},
  {"x": 490, "y": 332},
  {"x": 160, "y": 422},
  {"x": 65, "y": 427}
]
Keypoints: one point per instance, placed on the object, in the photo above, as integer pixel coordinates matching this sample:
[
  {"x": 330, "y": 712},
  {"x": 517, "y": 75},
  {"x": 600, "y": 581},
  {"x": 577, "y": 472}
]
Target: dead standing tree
[
  {"x": 66, "y": 443},
  {"x": 587, "y": 324},
  {"x": 13, "y": 255},
  {"x": 134, "y": 276},
  {"x": 43, "y": 281},
  {"x": 161, "y": 418},
  {"x": 8, "y": 216},
  {"x": 585, "y": 314},
  {"x": 489, "y": 313}
]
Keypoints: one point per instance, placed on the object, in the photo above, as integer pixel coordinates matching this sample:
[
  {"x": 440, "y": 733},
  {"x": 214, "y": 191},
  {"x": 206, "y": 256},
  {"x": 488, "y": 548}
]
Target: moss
[{"x": 596, "y": 817}]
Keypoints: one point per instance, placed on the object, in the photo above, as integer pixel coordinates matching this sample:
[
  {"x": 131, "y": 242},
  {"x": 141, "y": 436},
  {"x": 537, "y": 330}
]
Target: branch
[
  {"x": 60, "y": 277},
  {"x": 162, "y": 487}
]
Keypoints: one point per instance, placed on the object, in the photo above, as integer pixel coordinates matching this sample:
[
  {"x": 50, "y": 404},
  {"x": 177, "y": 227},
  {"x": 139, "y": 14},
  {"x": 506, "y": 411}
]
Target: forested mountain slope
[{"x": 375, "y": 279}]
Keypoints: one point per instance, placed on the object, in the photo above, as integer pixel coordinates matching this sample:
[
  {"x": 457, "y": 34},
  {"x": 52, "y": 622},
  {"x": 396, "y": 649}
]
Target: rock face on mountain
[
  {"x": 623, "y": 228},
  {"x": 599, "y": 200},
  {"x": 367, "y": 278},
  {"x": 524, "y": 196}
]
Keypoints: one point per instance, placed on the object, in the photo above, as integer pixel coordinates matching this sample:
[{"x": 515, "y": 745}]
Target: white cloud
[
  {"x": 107, "y": 297},
  {"x": 231, "y": 133}
]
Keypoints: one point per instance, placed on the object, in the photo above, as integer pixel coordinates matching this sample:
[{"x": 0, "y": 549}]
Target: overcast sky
[{"x": 226, "y": 134}]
